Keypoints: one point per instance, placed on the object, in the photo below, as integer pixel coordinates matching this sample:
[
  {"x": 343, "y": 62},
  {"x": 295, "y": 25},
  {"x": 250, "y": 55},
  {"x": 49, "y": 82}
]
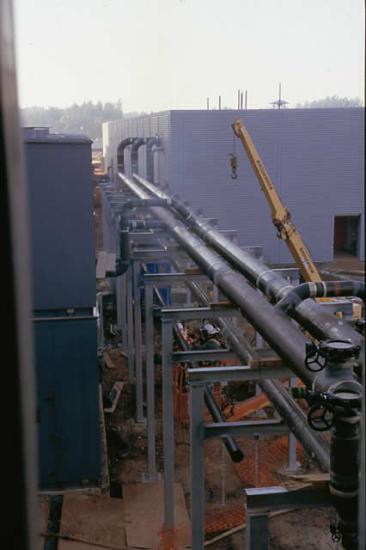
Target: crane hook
[{"x": 234, "y": 166}]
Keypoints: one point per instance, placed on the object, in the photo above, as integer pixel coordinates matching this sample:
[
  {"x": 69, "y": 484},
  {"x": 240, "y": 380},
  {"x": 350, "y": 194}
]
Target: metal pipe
[
  {"x": 273, "y": 325},
  {"x": 277, "y": 330},
  {"x": 153, "y": 142},
  {"x": 309, "y": 314},
  {"x": 314, "y": 444},
  {"x": 121, "y": 153},
  {"x": 232, "y": 447},
  {"x": 234, "y": 451},
  {"x": 321, "y": 289},
  {"x": 138, "y": 142}
]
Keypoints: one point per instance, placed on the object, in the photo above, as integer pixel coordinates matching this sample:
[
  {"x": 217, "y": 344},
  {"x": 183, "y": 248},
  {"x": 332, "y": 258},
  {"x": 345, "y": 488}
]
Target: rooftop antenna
[{"x": 279, "y": 102}]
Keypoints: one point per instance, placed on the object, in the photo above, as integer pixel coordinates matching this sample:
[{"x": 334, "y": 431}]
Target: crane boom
[{"x": 281, "y": 217}]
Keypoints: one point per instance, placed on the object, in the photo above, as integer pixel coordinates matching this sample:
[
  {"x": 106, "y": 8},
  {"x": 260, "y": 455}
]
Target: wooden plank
[
  {"x": 101, "y": 264},
  {"x": 145, "y": 511},
  {"x": 314, "y": 479}
]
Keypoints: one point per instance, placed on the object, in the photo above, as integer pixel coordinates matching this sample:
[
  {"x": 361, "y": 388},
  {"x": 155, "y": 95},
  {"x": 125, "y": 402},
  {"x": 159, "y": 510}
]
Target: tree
[
  {"x": 86, "y": 118},
  {"x": 331, "y": 101}
]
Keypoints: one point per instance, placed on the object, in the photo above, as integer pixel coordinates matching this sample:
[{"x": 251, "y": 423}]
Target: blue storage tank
[{"x": 59, "y": 185}]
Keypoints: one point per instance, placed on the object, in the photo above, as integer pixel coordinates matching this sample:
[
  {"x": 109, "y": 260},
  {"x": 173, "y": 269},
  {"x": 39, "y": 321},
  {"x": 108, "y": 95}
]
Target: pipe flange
[{"x": 338, "y": 349}]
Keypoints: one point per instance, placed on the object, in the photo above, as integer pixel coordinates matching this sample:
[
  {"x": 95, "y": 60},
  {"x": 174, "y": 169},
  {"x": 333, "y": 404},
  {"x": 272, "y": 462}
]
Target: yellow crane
[{"x": 281, "y": 217}]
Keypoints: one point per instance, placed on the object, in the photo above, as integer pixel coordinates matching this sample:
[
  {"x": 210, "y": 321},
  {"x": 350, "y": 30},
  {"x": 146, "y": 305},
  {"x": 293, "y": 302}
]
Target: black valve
[
  {"x": 318, "y": 355},
  {"x": 324, "y": 406},
  {"x": 314, "y": 360}
]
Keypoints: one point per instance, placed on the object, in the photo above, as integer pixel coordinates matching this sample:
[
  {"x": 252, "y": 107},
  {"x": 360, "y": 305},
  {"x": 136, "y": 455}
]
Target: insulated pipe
[
  {"x": 319, "y": 290},
  {"x": 313, "y": 442},
  {"x": 121, "y": 153},
  {"x": 235, "y": 453},
  {"x": 309, "y": 314},
  {"x": 138, "y": 142},
  {"x": 124, "y": 247},
  {"x": 232, "y": 447},
  {"x": 273, "y": 325},
  {"x": 153, "y": 142}
]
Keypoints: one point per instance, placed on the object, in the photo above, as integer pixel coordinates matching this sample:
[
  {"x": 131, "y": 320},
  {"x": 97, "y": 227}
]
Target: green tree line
[{"x": 86, "y": 118}]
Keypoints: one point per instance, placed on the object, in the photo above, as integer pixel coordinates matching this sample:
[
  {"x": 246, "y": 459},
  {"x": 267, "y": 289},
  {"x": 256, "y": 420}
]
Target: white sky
[{"x": 171, "y": 54}]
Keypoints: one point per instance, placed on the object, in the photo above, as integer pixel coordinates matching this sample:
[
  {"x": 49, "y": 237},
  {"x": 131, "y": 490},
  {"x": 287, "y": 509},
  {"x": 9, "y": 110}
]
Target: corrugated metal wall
[
  {"x": 142, "y": 126},
  {"x": 314, "y": 156}
]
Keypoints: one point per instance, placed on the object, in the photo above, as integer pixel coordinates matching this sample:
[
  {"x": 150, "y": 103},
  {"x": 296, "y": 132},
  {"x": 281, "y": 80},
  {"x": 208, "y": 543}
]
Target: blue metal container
[
  {"x": 67, "y": 403},
  {"x": 59, "y": 185}
]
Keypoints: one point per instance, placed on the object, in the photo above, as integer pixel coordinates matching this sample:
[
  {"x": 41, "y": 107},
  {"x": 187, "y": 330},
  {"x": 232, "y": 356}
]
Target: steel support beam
[
  {"x": 168, "y": 423},
  {"x": 245, "y": 428},
  {"x": 150, "y": 385},
  {"x": 138, "y": 343},
  {"x": 130, "y": 331},
  {"x": 197, "y": 466}
]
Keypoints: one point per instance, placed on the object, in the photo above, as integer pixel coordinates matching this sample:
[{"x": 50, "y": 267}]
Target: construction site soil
[{"x": 224, "y": 481}]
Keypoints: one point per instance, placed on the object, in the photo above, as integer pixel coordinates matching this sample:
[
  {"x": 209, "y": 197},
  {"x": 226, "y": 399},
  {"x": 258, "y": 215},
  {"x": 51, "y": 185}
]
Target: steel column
[
  {"x": 197, "y": 466},
  {"x": 150, "y": 384},
  {"x": 123, "y": 305},
  {"x": 257, "y": 531},
  {"x": 168, "y": 422},
  {"x": 138, "y": 342},
  {"x": 130, "y": 342}
]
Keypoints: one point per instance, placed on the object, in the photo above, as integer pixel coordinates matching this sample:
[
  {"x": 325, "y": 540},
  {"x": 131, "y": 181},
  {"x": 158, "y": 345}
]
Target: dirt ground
[{"x": 224, "y": 488}]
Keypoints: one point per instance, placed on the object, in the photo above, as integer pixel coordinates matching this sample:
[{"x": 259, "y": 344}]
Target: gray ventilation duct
[{"x": 121, "y": 153}]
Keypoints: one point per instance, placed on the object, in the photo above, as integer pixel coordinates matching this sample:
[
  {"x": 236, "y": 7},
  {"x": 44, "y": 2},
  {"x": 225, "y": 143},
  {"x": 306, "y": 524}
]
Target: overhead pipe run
[
  {"x": 152, "y": 145},
  {"x": 314, "y": 444},
  {"x": 234, "y": 451},
  {"x": 121, "y": 153},
  {"x": 273, "y": 325},
  {"x": 138, "y": 142},
  {"x": 320, "y": 290},
  {"x": 335, "y": 390},
  {"x": 309, "y": 314},
  {"x": 121, "y": 210}
]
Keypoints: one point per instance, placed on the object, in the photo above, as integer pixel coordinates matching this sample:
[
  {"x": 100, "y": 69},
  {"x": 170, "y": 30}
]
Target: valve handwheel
[{"x": 321, "y": 417}]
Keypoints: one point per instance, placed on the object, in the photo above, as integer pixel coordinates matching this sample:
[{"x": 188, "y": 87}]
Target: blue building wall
[
  {"x": 59, "y": 185},
  {"x": 314, "y": 156}
]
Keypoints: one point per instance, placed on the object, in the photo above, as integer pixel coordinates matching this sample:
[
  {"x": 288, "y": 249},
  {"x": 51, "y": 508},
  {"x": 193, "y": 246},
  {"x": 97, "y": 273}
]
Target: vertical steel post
[
  {"x": 123, "y": 300},
  {"x": 362, "y": 469},
  {"x": 138, "y": 343},
  {"x": 197, "y": 466},
  {"x": 150, "y": 381},
  {"x": 168, "y": 422},
  {"x": 118, "y": 302},
  {"x": 130, "y": 343},
  {"x": 257, "y": 531},
  {"x": 292, "y": 441}
]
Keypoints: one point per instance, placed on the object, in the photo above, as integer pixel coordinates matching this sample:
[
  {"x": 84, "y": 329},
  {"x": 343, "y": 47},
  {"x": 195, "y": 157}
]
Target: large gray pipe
[
  {"x": 121, "y": 153},
  {"x": 274, "y": 326},
  {"x": 308, "y": 313},
  {"x": 313, "y": 442}
]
